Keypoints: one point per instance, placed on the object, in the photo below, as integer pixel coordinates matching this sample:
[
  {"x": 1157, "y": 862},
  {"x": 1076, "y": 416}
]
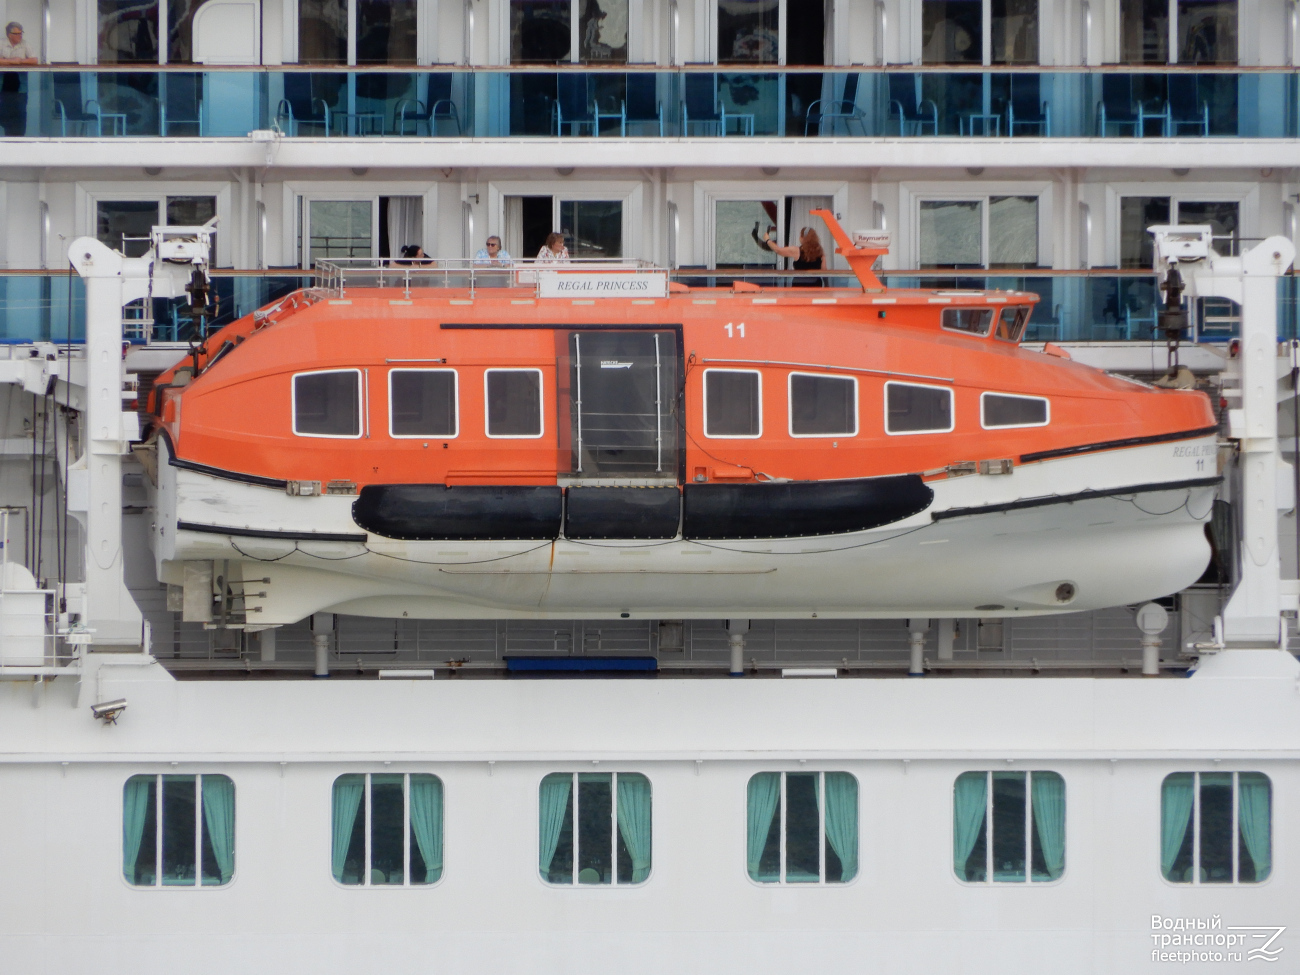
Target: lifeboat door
[{"x": 624, "y": 403}]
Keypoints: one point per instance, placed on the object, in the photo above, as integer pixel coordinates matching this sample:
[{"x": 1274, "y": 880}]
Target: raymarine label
[{"x": 602, "y": 284}]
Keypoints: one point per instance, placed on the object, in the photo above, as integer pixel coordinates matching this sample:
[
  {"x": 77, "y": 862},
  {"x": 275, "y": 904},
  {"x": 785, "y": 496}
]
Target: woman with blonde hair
[{"x": 807, "y": 256}]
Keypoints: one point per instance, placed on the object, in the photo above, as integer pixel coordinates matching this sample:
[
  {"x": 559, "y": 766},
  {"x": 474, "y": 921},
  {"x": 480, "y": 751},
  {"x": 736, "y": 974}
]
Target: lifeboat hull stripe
[
  {"x": 801, "y": 509},
  {"x": 592, "y": 513},
  {"x": 989, "y": 509},
  {"x": 189, "y": 465},
  {"x": 1115, "y": 444},
  {"x": 425, "y": 512},
  {"x": 189, "y": 526}
]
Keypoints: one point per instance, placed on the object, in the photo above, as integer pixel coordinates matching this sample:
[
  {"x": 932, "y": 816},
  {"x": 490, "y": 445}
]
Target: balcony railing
[
  {"x": 1078, "y": 306},
  {"x": 491, "y": 103}
]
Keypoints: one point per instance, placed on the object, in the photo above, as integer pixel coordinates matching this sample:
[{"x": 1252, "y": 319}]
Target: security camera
[{"x": 109, "y": 711}]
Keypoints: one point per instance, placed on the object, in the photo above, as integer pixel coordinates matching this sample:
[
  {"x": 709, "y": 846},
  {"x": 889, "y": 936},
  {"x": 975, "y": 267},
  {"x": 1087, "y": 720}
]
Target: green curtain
[
  {"x": 969, "y": 804},
  {"x": 552, "y": 804},
  {"x": 219, "y": 817},
  {"x": 426, "y": 822},
  {"x": 764, "y": 792},
  {"x": 1047, "y": 792},
  {"x": 634, "y": 821},
  {"x": 347, "y": 800},
  {"x": 135, "y": 808},
  {"x": 842, "y": 820},
  {"x": 1253, "y": 795},
  {"x": 1175, "y": 814}
]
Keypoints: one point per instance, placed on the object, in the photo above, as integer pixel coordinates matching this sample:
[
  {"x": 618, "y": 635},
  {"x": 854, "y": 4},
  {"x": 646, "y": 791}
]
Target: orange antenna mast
[{"x": 861, "y": 259}]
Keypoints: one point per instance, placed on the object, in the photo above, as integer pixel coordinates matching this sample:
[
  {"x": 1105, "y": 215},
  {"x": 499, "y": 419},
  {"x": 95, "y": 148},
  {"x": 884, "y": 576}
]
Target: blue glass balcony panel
[
  {"x": 479, "y": 103},
  {"x": 1073, "y": 307}
]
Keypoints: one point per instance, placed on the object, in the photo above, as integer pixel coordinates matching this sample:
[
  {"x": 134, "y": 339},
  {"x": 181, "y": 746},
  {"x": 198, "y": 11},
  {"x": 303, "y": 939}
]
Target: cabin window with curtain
[
  {"x": 974, "y": 321},
  {"x": 178, "y": 830},
  {"x": 1005, "y": 410},
  {"x": 594, "y": 828},
  {"x": 327, "y": 404},
  {"x": 823, "y": 406},
  {"x": 514, "y": 402},
  {"x": 802, "y": 828},
  {"x": 911, "y": 408},
  {"x": 733, "y": 403},
  {"x": 1216, "y": 828},
  {"x": 387, "y": 830},
  {"x": 422, "y": 403},
  {"x": 1008, "y": 827}
]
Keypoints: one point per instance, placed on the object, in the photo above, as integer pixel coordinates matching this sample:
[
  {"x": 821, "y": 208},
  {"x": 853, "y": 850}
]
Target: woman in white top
[{"x": 553, "y": 251}]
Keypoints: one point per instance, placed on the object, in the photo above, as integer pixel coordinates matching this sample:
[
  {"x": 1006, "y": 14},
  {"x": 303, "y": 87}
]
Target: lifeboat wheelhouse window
[
  {"x": 823, "y": 406},
  {"x": 514, "y": 402},
  {"x": 327, "y": 404},
  {"x": 422, "y": 403},
  {"x": 733, "y": 403},
  {"x": 1005, "y": 410},
  {"x": 972, "y": 321},
  {"x": 913, "y": 408},
  {"x": 1011, "y": 323}
]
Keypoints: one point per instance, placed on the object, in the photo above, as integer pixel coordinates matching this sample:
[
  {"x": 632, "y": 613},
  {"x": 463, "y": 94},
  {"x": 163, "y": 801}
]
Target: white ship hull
[
  {"x": 67, "y": 908},
  {"x": 1111, "y": 527}
]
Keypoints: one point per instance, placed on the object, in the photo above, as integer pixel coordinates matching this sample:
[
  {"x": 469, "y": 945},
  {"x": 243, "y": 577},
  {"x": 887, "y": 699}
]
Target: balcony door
[
  {"x": 357, "y": 32},
  {"x": 591, "y": 228},
  {"x": 1178, "y": 31}
]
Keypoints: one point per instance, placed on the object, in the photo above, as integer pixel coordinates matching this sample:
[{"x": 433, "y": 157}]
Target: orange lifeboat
[{"x": 590, "y": 441}]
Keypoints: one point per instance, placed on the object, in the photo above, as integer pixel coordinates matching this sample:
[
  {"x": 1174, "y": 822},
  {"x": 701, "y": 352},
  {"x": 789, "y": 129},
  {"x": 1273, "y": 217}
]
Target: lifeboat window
[
  {"x": 912, "y": 408},
  {"x": 514, "y": 402},
  {"x": 1005, "y": 410},
  {"x": 974, "y": 321},
  {"x": 823, "y": 406},
  {"x": 422, "y": 403},
  {"x": 327, "y": 404},
  {"x": 732, "y": 403},
  {"x": 1011, "y": 323}
]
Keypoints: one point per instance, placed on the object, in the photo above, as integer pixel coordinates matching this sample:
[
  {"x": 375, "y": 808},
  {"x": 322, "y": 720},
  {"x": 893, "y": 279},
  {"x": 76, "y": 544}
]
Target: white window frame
[
  {"x": 406, "y": 834},
  {"x": 631, "y": 194},
  {"x": 1046, "y": 36},
  {"x": 426, "y": 19},
  {"x": 821, "y": 833},
  {"x": 789, "y": 396},
  {"x": 576, "y": 821},
  {"x": 1015, "y": 426},
  {"x": 1236, "y": 831},
  {"x": 1115, "y": 38},
  {"x": 908, "y": 238},
  {"x": 1029, "y": 880},
  {"x": 707, "y": 193},
  {"x": 88, "y": 196},
  {"x": 952, "y": 410},
  {"x": 1245, "y": 196},
  {"x": 362, "y": 424},
  {"x": 198, "y": 835},
  {"x": 455, "y": 399},
  {"x": 635, "y": 54},
  {"x": 541, "y": 405},
  {"x": 295, "y": 214},
  {"x": 704, "y": 391}
]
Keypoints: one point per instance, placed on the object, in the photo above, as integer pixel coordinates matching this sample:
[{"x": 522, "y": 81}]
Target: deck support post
[
  {"x": 917, "y": 630},
  {"x": 736, "y": 630}
]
